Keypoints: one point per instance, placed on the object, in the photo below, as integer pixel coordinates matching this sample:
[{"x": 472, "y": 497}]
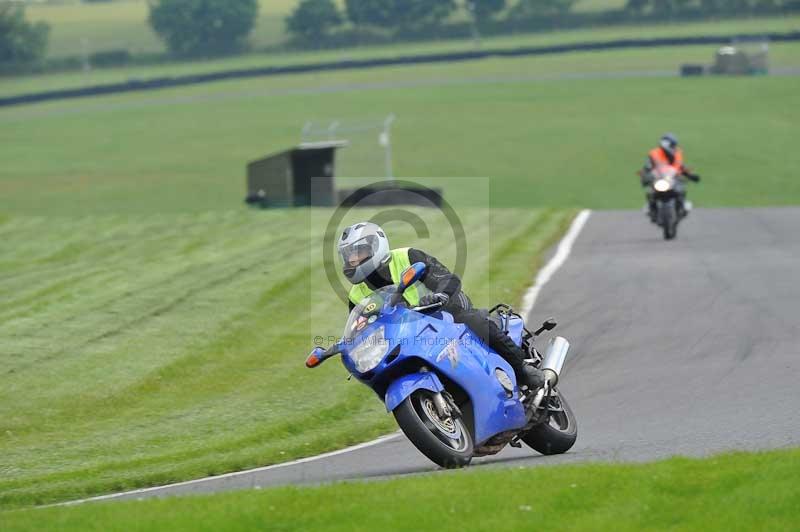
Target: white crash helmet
[{"x": 363, "y": 248}]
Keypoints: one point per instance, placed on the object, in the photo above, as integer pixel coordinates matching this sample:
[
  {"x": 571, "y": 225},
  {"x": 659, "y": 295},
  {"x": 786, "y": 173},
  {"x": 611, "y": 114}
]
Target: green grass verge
[
  {"x": 560, "y": 143},
  {"x": 23, "y": 84},
  {"x": 140, "y": 350},
  {"x": 727, "y": 492}
]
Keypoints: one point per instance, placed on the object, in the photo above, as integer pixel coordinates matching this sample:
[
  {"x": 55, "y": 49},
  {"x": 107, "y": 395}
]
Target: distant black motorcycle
[{"x": 667, "y": 199}]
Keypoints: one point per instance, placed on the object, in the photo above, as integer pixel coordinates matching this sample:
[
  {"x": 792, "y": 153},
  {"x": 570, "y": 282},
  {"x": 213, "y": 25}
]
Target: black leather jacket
[{"x": 437, "y": 278}]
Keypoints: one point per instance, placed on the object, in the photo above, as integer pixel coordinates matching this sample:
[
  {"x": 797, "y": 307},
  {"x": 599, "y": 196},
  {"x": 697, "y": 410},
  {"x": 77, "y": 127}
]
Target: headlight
[
  {"x": 662, "y": 185},
  {"x": 370, "y": 351}
]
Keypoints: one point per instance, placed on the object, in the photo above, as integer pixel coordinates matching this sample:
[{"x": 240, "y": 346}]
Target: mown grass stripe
[{"x": 180, "y": 365}]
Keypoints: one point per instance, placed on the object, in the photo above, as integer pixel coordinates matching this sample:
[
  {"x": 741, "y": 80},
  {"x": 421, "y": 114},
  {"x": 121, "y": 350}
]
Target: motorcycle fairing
[
  {"x": 407, "y": 384},
  {"x": 422, "y": 338}
]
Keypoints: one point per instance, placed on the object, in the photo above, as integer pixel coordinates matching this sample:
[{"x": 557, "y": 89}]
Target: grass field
[
  {"x": 727, "y": 492},
  {"x": 555, "y": 143},
  {"x": 36, "y": 83},
  {"x": 146, "y": 349}
]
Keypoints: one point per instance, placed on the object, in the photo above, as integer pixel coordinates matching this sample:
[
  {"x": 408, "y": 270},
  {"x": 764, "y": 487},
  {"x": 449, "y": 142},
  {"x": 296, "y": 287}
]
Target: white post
[
  {"x": 332, "y": 129},
  {"x": 306, "y": 131},
  {"x": 87, "y": 66},
  {"x": 385, "y": 140}
]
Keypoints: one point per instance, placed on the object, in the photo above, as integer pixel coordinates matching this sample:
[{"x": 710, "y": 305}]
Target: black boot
[
  {"x": 532, "y": 377},
  {"x": 489, "y": 332},
  {"x": 526, "y": 374}
]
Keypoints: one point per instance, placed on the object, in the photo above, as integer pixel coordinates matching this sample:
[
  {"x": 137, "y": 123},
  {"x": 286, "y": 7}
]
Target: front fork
[
  {"x": 446, "y": 406},
  {"x": 441, "y": 405}
]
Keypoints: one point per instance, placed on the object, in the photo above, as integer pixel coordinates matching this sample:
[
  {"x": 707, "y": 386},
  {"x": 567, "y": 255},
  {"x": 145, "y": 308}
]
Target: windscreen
[{"x": 367, "y": 311}]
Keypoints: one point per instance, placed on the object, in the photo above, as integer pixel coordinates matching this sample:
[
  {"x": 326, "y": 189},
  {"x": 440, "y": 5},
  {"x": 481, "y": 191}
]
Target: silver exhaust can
[{"x": 554, "y": 357}]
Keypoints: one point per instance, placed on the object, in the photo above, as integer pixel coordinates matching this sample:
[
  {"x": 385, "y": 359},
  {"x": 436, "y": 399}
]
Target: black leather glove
[
  {"x": 433, "y": 299},
  {"x": 693, "y": 177}
]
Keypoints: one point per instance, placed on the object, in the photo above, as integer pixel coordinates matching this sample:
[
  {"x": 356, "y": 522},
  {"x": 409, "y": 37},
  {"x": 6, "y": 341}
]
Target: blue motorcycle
[{"x": 451, "y": 395}]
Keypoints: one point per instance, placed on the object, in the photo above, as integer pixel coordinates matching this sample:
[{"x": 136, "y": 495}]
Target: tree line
[
  {"x": 203, "y": 28},
  {"x": 316, "y": 21}
]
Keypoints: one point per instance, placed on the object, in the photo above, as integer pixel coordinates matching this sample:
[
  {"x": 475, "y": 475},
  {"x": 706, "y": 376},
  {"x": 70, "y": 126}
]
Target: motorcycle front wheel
[
  {"x": 445, "y": 441},
  {"x": 558, "y": 433},
  {"x": 669, "y": 219}
]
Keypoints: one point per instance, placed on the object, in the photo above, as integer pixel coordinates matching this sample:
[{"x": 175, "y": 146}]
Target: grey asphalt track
[{"x": 686, "y": 347}]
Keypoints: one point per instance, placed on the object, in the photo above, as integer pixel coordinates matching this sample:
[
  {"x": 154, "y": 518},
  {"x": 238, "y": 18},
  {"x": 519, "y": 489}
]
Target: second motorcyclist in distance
[{"x": 667, "y": 153}]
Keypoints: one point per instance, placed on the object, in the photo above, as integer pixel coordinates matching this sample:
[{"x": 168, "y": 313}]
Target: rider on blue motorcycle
[{"x": 369, "y": 264}]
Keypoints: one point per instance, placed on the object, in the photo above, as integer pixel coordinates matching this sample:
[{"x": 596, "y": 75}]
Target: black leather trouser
[{"x": 488, "y": 331}]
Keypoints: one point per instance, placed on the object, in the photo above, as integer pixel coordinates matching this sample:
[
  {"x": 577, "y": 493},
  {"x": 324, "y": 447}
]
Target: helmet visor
[{"x": 355, "y": 254}]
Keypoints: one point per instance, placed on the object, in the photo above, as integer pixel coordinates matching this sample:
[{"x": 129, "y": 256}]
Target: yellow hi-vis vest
[{"x": 397, "y": 265}]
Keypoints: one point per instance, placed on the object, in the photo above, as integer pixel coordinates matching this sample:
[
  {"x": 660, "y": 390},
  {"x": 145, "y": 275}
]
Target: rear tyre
[
  {"x": 446, "y": 442},
  {"x": 557, "y": 435}
]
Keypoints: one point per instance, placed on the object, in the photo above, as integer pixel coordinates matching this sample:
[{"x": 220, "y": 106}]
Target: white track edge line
[
  {"x": 561, "y": 255},
  {"x": 235, "y": 473},
  {"x": 528, "y": 300}
]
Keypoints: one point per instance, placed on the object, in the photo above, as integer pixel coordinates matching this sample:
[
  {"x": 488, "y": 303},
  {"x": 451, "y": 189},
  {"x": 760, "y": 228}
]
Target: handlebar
[{"x": 436, "y": 305}]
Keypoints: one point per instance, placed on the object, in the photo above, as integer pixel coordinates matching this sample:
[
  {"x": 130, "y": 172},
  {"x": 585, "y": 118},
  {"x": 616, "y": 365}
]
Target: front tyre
[
  {"x": 446, "y": 442},
  {"x": 557, "y": 434},
  {"x": 669, "y": 219}
]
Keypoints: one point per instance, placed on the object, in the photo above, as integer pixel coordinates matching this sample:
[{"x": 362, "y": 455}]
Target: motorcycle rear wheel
[
  {"x": 446, "y": 442},
  {"x": 557, "y": 435}
]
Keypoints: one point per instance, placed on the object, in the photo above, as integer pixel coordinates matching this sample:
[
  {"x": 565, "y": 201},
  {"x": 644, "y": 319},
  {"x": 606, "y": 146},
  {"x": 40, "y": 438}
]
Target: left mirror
[
  {"x": 315, "y": 357},
  {"x": 411, "y": 275}
]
